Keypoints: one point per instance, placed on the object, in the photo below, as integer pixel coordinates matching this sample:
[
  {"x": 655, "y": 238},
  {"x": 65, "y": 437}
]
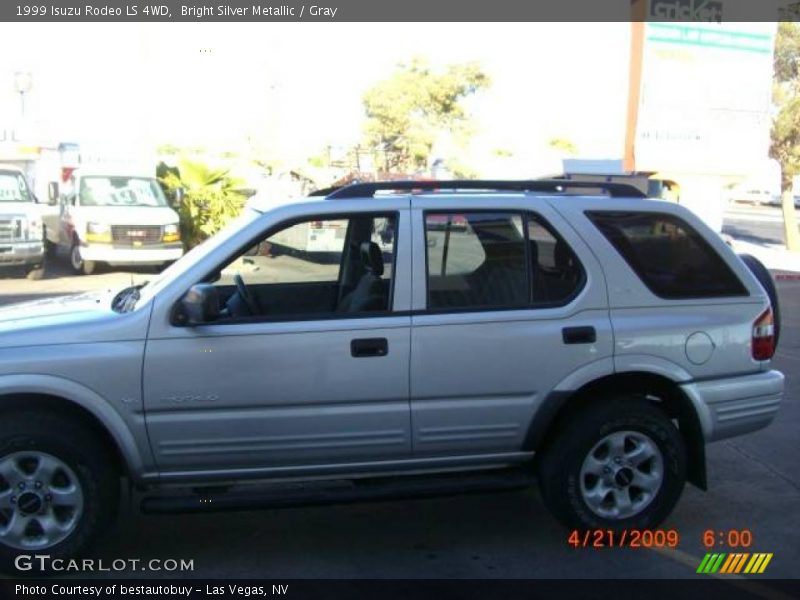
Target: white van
[
  {"x": 21, "y": 233},
  {"x": 113, "y": 216}
]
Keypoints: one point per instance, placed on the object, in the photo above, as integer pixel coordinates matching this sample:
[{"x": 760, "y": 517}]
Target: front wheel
[
  {"x": 58, "y": 488},
  {"x": 80, "y": 266},
  {"x": 620, "y": 464}
]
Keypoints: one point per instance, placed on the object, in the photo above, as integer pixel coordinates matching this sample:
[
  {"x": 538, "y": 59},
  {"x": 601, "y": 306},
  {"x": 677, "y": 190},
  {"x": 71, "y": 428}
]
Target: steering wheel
[{"x": 245, "y": 294}]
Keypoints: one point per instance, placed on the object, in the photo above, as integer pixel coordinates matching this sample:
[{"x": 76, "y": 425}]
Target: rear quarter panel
[{"x": 651, "y": 333}]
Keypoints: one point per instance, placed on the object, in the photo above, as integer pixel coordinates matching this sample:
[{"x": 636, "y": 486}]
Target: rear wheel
[
  {"x": 620, "y": 464},
  {"x": 58, "y": 487}
]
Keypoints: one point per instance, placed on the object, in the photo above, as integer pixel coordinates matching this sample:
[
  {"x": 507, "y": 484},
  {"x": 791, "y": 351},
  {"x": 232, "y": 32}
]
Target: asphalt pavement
[{"x": 753, "y": 223}]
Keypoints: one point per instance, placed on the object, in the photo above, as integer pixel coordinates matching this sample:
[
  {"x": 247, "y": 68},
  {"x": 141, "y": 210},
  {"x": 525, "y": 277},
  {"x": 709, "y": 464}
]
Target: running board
[{"x": 366, "y": 490}]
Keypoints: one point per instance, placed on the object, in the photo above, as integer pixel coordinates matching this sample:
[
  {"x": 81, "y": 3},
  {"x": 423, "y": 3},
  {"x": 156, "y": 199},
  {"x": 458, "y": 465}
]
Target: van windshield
[
  {"x": 13, "y": 188},
  {"x": 121, "y": 191}
]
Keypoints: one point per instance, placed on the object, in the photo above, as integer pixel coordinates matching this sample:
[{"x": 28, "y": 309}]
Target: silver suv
[{"x": 405, "y": 338}]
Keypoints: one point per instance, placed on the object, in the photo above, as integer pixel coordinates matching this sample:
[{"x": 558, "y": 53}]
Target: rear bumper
[
  {"x": 132, "y": 256},
  {"x": 736, "y": 405},
  {"x": 21, "y": 253}
]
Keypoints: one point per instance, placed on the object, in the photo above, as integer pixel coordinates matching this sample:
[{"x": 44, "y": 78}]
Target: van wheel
[
  {"x": 80, "y": 266},
  {"x": 58, "y": 487},
  {"x": 619, "y": 464}
]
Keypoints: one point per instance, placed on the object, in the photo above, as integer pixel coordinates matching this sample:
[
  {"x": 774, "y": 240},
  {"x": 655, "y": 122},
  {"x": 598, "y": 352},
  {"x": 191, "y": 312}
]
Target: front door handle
[
  {"x": 579, "y": 335},
  {"x": 367, "y": 347}
]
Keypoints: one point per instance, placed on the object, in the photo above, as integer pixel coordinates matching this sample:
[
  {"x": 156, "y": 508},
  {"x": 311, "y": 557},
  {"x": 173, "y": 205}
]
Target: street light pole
[{"x": 23, "y": 82}]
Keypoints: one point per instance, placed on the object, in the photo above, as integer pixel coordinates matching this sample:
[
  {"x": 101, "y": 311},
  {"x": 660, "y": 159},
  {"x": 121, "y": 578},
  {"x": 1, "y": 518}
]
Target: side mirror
[
  {"x": 200, "y": 305},
  {"x": 52, "y": 193}
]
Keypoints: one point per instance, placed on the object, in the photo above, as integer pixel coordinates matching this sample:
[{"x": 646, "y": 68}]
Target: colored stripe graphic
[
  {"x": 726, "y": 566},
  {"x": 711, "y": 563},
  {"x": 758, "y": 563},
  {"x": 734, "y": 562},
  {"x": 740, "y": 564}
]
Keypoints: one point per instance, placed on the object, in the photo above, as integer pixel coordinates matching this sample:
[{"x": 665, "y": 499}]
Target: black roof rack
[{"x": 552, "y": 186}]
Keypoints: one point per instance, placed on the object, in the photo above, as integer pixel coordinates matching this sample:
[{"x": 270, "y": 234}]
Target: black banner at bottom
[{"x": 389, "y": 589}]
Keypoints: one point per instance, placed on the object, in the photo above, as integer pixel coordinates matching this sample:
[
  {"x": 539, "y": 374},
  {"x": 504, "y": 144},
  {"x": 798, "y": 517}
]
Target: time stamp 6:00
[{"x": 656, "y": 538}]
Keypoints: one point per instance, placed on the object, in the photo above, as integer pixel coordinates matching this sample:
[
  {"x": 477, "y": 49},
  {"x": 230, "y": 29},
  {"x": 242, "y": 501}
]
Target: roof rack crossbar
[{"x": 553, "y": 186}]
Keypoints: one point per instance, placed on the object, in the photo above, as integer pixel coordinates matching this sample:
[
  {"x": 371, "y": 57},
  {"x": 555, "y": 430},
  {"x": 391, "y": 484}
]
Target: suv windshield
[
  {"x": 13, "y": 188},
  {"x": 121, "y": 191}
]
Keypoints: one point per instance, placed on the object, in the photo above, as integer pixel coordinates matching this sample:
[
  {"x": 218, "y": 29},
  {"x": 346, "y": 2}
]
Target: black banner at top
[{"x": 329, "y": 11}]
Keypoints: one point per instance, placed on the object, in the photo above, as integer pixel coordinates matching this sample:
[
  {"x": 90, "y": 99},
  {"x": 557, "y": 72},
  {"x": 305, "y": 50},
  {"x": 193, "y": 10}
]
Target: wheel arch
[
  {"x": 561, "y": 404},
  {"x": 73, "y": 400}
]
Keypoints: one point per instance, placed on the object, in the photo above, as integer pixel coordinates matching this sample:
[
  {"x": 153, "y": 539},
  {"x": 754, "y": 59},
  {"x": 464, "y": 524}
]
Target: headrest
[
  {"x": 563, "y": 257},
  {"x": 372, "y": 257},
  {"x": 533, "y": 248}
]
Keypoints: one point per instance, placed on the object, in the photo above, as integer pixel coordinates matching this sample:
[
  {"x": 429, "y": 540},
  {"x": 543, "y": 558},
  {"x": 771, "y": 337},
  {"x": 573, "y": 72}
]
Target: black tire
[
  {"x": 78, "y": 446},
  {"x": 80, "y": 266},
  {"x": 764, "y": 277},
  {"x": 560, "y": 465},
  {"x": 50, "y": 249}
]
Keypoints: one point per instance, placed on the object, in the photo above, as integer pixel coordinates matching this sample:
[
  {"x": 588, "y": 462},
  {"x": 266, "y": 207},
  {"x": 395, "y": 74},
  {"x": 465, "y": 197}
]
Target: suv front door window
[{"x": 315, "y": 268}]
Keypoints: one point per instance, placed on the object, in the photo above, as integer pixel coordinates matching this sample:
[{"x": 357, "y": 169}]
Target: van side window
[{"x": 670, "y": 257}]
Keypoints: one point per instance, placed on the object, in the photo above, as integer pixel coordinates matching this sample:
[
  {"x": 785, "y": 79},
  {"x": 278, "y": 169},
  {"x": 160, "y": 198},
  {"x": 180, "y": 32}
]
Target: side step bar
[{"x": 367, "y": 490}]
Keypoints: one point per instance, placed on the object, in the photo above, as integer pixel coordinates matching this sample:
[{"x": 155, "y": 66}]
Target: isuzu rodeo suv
[{"x": 453, "y": 337}]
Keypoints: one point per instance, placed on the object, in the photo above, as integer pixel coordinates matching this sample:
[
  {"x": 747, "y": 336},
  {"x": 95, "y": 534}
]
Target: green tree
[
  {"x": 563, "y": 145},
  {"x": 409, "y": 110},
  {"x": 211, "y": 198},
  {"x": 785, "y": 146}
]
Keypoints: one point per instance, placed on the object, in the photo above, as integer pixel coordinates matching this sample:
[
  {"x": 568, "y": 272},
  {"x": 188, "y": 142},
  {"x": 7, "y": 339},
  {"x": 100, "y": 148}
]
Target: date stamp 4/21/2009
[{"x": 624, "y": 538}]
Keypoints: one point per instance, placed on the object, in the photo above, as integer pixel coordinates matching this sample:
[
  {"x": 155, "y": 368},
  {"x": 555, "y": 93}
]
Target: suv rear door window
[
  {"x": 495, "y": 260},
  {"x": 476, "y": 260},
  {"x": 670, "y": 257}
]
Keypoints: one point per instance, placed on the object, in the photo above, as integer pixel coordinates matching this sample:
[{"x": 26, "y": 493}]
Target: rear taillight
[{"x": 764, "y": 336}]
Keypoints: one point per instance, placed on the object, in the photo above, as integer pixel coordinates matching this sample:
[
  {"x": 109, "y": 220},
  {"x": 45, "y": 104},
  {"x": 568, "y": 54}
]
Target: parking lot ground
[
  {"x": 754, "y": 484},
  {"x": 59, "y": 280}
]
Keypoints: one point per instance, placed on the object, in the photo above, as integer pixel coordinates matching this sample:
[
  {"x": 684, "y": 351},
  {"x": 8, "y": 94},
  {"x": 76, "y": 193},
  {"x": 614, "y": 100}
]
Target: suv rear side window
[
  {"x": 670, "y": 257},
  {"x": 495, "y": 260}
]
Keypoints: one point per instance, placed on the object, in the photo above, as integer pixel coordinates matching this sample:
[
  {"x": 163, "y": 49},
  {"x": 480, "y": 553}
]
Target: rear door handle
[
  {"x": 367, "y": 347},
  {"x": 579, "y": 335}
]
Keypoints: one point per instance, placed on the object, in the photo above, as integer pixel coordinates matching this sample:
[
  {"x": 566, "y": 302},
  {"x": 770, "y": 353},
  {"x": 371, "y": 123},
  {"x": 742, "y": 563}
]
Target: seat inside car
[{"x": 369, "y": 293}]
